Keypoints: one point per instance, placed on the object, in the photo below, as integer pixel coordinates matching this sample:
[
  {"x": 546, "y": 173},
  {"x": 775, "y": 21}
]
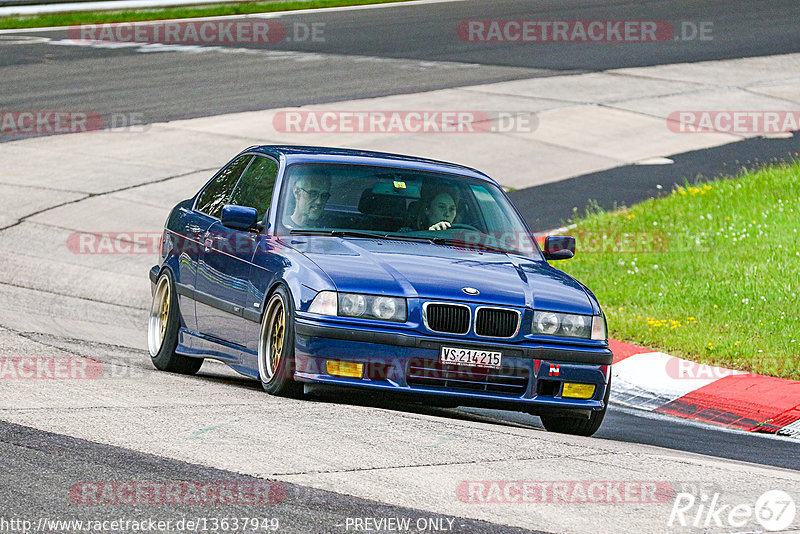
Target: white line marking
[
  {"x": 22, "y": 39},
  {"x": 269, "y": 15},
  {"x": 276, "y": 55},
  {"x": 655, "y": 161}
]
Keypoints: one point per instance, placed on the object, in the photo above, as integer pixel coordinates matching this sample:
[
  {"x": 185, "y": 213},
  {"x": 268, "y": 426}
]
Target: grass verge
[
  {"x": 100, "y": 17},
  {"x": 710, "y": 272}
]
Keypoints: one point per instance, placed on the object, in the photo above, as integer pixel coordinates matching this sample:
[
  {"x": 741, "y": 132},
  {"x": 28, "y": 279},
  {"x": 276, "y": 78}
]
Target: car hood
[{"x": 419, "y": 269}]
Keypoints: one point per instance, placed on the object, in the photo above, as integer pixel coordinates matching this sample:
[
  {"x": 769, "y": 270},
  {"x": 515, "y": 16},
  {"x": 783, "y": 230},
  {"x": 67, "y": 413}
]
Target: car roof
[{"x": 317, "y": 154}]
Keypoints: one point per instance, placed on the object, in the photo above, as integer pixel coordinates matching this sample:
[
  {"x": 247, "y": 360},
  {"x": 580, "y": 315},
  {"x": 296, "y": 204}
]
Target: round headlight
[
  {"x": 575, "y": 325},
  {"x": 546, "y": 323},
  {"x": 353, "y": 305},
  {"x": 384, "y": 307}
]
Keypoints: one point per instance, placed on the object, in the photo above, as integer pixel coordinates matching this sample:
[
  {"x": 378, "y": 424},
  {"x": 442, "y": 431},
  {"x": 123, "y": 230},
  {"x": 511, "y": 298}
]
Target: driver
[
  {"x": 440, "y": 212},
  {"x": 311, "y": 192}
]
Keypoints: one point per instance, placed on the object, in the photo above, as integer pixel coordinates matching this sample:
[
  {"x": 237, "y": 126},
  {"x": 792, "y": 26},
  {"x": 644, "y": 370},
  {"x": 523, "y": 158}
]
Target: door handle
[{"x": 208, "y": 243}]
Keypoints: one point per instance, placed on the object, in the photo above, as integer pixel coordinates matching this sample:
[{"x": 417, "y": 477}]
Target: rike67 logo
[{"x": 774, "y": 510}]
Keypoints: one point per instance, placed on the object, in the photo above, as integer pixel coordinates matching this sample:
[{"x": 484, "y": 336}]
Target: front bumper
[{"x": 530, "y": 379}]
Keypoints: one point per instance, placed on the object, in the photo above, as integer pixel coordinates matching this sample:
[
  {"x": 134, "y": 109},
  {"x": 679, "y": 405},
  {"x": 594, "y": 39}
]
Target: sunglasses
[{"x": 314, "y": 194}]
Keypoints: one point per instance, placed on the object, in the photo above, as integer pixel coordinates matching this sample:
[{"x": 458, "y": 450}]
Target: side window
[
  {"x": 218, "y": 191},
  {"x": 255, "y": 187}
]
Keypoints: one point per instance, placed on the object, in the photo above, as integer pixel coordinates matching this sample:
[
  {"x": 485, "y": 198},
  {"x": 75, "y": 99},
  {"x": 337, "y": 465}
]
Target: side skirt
[{"x": 196, "y": 345}]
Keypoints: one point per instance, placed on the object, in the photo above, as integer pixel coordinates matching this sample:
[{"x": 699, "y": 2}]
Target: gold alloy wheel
[
  {"x": 159, "y": 316},
  {"x": 273, "y": 337}
]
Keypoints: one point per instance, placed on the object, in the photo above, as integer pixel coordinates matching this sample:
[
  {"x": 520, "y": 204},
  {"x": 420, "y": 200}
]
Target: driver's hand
[{"x": 443, "y": 225}]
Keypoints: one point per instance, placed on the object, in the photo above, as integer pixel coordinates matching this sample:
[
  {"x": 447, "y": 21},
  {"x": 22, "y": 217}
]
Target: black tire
[
  {"x": 276, "y": 356},
  {"x": 578, "y": 426},
  {"x": 162, "y": 330}
]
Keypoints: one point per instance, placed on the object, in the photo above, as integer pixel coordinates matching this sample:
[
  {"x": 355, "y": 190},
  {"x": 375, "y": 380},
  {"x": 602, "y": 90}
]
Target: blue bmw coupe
[{"x": 299, "y": 266}]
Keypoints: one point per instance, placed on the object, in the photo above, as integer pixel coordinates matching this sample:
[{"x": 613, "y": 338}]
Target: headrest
[
  {"x": 382, "y": 205},
  {"x": 413, "y": 213}
]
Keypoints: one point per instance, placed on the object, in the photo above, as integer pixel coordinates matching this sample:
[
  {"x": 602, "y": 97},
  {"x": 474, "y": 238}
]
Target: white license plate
[{"x": 471, "y": 357}]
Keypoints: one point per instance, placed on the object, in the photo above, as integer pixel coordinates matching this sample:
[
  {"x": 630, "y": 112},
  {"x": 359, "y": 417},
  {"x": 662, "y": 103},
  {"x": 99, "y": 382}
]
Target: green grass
[
  {"x": 711, "y": 272},
  {"x": 99, "y": 17}
]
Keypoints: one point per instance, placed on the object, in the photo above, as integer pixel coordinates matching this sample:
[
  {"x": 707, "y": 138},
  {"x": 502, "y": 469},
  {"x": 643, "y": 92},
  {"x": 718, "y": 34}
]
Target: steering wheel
[{"x": 462, "y": 226}]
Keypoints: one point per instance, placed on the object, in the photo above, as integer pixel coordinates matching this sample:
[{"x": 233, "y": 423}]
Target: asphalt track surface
[
  {"x": 51, "y": 463},
  {"x": 553, "y": 205},
  {"x": 399, "y": 50},
  {"x": 369, "y": 53},
  {"x": 62, "y": 460}
]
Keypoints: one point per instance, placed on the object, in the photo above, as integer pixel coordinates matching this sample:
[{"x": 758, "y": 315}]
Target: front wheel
[
  {"x": 276, "y": 346},
  {"x": 162, "y": 330},
  {"x": 576, "y": 425}
]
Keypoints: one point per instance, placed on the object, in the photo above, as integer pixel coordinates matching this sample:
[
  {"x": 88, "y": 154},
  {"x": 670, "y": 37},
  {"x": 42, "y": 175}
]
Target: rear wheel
[
  {"x": 162, "y": 330},
  {"x": 578, "y": 426},
  {"x": 276, "y": 346}
]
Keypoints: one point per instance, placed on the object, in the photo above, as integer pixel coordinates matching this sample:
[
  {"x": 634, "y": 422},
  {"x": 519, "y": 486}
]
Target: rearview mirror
[
  {"x": 559, "y": 247},
  {"x": 239, "y": 217}
]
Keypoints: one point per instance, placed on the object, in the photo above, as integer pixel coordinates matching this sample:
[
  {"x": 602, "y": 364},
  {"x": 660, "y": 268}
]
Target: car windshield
[{"x": 396, "y": 203}]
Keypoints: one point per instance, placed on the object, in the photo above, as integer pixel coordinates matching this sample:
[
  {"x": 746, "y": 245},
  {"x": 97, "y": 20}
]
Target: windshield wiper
[
  {"x": 336, "y": 233},
  {"x": 418, "y": 238},
  {"x": 357, "y": 233},
  {"x": 421, "y": 239},
  {"x": 464, "y": 244}
]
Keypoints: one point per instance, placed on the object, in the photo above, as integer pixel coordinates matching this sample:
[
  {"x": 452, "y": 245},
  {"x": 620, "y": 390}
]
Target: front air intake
[
  {"x": 496, "y": 322},
  {"x": 447, "y": 318}
]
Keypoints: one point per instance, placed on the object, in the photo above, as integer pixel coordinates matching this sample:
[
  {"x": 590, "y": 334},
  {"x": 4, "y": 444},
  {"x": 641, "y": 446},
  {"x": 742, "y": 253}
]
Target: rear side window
[
  {"x": 255, "y": 187},
  {"x": 218, "y": 191}
]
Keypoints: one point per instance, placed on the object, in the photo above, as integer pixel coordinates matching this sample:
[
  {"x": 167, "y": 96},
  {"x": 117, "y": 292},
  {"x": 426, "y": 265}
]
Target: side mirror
[
  {"x": 239, "y": 217},
  {"x": 559, "y": 247}
]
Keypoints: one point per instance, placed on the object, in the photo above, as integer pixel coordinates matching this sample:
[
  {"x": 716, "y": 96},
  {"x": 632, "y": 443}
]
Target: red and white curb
[
  {"x": 661, "y": 383},
  {"x": 658, "y": 382}
]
